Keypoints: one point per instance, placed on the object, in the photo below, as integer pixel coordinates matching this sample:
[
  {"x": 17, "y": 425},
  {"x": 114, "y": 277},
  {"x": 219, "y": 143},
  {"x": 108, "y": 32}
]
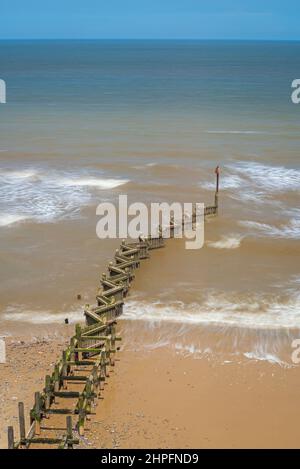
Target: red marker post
[{"x": 217, "y": 172}]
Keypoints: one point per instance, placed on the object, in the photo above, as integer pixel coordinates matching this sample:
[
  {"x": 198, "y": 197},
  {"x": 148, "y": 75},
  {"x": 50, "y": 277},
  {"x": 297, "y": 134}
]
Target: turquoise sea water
[{"x": 105, "y": 93}]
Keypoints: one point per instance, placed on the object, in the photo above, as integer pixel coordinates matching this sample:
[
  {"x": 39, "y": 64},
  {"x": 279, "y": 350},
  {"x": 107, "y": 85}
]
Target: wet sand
[{"x": 160, "y": 399}]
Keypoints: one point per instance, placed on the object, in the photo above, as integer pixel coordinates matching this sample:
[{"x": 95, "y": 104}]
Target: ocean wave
[
  {"x": 16, "y": 176},
  {"x": 249, "y": 181},
  {"x": 226, "y": 242},
  {"x": 267, "y": 177},
  {"x": 217, "y": 342},
  {"x": 48, "y": 195},
  {"x": 259, "y": 353},
  {"x": 10, "y": 219},
  {"x": 253, "y": 312},
  {"x": 291, "y": 230},
  {"x": 265, "y": 356},
  {"x": 236, "y": 132},
  {"x": 21, "y": 314},
  {"x": 228, "y": 181},
  {"x": 94, "y": 182}
]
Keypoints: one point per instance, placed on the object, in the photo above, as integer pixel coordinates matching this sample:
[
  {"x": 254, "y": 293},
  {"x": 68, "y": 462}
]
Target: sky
[{"x": 150, "y": 19}]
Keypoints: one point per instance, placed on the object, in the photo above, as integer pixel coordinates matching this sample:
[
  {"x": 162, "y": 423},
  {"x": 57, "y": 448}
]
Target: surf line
[{"x": 79, "y": 376}]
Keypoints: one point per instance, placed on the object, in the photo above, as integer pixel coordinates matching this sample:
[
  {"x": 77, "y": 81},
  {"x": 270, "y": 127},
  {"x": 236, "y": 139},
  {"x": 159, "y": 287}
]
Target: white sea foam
[
  {"x": 265, "y": 356},
  {"x": 16, "y": 176},
  {"x": 291, "y": 230},
  {"x": 256, "y": 312},
  {"x": 232, "y": 241},
  {"x": 257, "y": 181},
  {"x": 192, "y": 349},
  {"x": 94, "y": 182},
  {"x": 236, "y": 132},
  {"x": 228, "y": 181},
  {"x": 20, "y": 314},
  {"x": 267, "y": 178},
  {"x": 10, "y": 219},
  {"x": 49, "y": 195}
]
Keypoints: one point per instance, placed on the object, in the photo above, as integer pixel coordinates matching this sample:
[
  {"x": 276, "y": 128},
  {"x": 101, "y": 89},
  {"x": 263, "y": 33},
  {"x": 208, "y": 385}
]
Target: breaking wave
[
  {"x": 257, "y": 312},
  {"x": 257, "y": 180},
  {"x": 10, "y": 219},
  {"x": 94, "y": 182},
  {"x": 48, "y": 195},
  {"x": 16, "y": 176},
  {"x": 236, "y": 132},
  {"x": 291, "y": 230},
  {"x": 226, "y": 242},
  {"x": 20, "y": 314}
]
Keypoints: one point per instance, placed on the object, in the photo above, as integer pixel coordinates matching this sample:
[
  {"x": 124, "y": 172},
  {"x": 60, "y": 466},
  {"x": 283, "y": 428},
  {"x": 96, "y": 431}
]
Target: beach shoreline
[{"x": 162, "y": 399}]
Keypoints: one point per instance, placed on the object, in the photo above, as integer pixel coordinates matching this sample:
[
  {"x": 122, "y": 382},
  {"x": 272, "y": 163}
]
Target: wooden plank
[
  {"x": 89, "y": 349},
  {"x": 81, "y": 362},
  {"x": 67, "y": 394},
  {"x": 59, "y": 411},
  {"x": 30, "y": 434},
  {"x": 74, "y": 378},
  {"x": 44, "y": 440}
]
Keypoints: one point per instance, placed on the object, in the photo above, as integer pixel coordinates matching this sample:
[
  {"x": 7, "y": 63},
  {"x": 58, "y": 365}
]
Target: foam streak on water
[
  {"x": 47, "y": 195},
  {"x": 20, "y": 314},
  {"x": 220, "y": 309}
]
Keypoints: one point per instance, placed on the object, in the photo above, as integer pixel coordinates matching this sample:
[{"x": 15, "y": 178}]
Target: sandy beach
[
  {"x": 158, "y": 399},
  {"x": 27, "y": 362}
]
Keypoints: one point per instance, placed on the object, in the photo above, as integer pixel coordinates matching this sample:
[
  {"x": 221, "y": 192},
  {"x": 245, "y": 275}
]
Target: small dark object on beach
[
  {"x": 78, "y": 296},
  {"x": 66, "y": 321}
]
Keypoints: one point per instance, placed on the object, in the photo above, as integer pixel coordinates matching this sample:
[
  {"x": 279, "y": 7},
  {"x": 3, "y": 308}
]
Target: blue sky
[{"x": 196, "y": 19}]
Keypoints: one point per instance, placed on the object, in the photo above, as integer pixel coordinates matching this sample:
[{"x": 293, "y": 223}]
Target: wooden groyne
[{"x": 77, "y": 381}]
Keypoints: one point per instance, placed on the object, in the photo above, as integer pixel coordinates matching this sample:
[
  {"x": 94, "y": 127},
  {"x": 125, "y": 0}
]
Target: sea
[{"x": 87, "y": 121}]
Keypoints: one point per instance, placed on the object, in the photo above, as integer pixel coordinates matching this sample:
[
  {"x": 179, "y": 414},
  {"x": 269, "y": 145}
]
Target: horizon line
[{"x": 147, "y": 39}]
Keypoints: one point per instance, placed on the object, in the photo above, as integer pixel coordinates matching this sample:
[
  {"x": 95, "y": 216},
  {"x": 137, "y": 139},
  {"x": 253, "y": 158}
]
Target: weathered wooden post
[
  {"x": 102, "y": 370},
  {"x": 10, "y": 438},
  {"x": 56, "y": 379},
  {"x": 22, "y": 423},
  {"x": 81, "y": 416},
  {"x": 72, "y": 346},
  {"x": 69, "y": 432},
  {"x": 107, "y": 355},
  {"x": 37, "y": 412},
  {"x": 217, "y": 172},
  {"x": 89, "y": 396},
  {"x": 95, "y": 376},
  {"x": 113, "y": 345},
  {"x": 64, "y": 369},
  {"x": 48, "y": 391},
  {"x": 78, "y": 337}
]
